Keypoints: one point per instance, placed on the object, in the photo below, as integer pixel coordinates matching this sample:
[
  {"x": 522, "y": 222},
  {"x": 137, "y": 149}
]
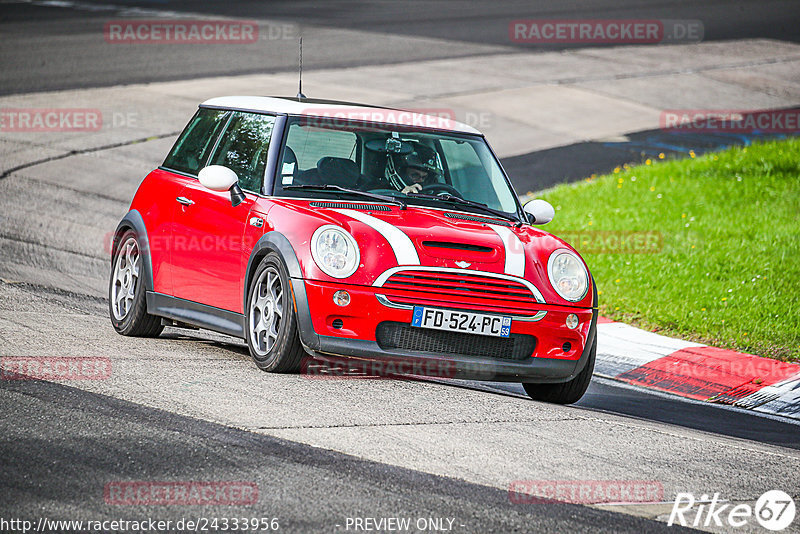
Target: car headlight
[
  {"x": 568, "y": 275},
  {"x": 335, "y": 251}
]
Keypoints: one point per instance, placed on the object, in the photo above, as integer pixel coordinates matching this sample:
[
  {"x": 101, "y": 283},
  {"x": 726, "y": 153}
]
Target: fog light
[
  {"x": 572, "y": 321},
  {"x": 337, "y": 324},
  {"x": 566, "y": 347},
  {"x": 341, "y": 298}
]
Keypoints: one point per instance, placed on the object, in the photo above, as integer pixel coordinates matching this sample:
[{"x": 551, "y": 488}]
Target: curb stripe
[
  {"x": 697, "y": 371},
  {"x": 622, "y": 348},
  {"x": 709, "y": 373}
]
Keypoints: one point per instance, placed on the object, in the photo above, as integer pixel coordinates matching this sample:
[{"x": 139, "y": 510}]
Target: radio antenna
[{"x": 300, "y": 88}]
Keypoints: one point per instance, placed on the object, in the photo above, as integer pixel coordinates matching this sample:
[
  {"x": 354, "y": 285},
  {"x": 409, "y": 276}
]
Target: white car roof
[{"x": 341, "y": 110}]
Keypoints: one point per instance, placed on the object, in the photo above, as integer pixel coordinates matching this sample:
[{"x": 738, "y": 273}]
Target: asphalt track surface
[
  {"x": 92, "y": 440},
  {"x": 60, "y": 45},
  {"x": 59, "y": 444}
]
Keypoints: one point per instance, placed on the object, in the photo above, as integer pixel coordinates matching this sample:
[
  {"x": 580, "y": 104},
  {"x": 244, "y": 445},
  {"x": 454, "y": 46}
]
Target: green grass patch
[{"x": 718, "y": 245}]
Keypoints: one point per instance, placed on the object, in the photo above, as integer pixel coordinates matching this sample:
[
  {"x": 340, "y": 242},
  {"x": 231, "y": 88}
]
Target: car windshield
[{"x": 423, "y": 167}]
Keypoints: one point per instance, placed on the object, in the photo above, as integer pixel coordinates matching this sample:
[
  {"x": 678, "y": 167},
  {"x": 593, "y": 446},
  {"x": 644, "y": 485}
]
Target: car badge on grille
[{"x": 463, "y": 264}]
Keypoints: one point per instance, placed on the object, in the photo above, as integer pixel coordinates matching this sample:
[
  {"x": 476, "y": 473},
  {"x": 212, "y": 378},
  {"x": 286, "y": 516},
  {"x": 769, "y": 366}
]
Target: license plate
[{"x": 458, "y": 321}]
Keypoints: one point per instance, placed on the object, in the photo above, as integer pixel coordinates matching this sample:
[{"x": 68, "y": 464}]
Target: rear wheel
[
  {"x": 565, "y": 392},
  {"x": 126, "y": 291},
  {"x": 271, "y": 323}
]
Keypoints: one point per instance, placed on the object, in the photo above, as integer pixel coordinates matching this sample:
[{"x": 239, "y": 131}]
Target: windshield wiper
[
  {"x": 458, "y": 200},
  {"x": 337, "y": 189}
]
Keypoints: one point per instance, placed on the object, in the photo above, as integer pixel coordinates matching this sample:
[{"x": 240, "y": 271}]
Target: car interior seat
[{"x": 338, "y": 171}]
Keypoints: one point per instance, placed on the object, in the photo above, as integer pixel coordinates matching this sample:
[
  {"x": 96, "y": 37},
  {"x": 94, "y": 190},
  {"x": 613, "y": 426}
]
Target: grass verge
[{"x": 704, "y": 248}]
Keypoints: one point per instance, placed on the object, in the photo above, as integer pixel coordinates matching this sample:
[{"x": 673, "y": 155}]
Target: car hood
[{"x": 451, "y": 239}]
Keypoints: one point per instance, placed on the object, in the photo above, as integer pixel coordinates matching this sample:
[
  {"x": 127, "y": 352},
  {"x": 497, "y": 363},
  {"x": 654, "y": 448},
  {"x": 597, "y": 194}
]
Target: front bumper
[{"x": 329, "y": 331}]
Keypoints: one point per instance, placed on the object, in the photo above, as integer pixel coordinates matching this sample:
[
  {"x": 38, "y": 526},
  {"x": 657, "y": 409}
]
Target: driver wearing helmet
[{"x": 411, "y": 172}]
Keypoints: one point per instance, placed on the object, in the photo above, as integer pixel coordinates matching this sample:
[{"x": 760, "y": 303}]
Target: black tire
[
  {"x": 565, "y": 392},
  {"x": 274, "y": 343},
  {"x": 130, "y": 318}
]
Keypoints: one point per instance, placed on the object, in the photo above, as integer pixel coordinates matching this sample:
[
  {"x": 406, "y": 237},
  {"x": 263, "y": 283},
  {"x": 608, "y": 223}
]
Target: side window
[
  {"x": 244, "y": 147},
  {"x": 192, "y": 147}
]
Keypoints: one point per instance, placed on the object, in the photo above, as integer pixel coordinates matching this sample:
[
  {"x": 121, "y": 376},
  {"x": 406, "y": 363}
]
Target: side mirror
[
  {"x": 219, "y": 178},
  {"x": 539, "y": 211}
]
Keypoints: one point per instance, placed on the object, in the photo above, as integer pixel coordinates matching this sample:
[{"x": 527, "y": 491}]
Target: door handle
[{"x": 185, "y": 201}]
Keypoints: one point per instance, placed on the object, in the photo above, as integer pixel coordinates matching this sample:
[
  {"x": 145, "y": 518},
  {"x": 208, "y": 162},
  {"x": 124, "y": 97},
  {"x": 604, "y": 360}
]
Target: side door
[
  {"x": 208, "y": 231},
  {"x": 189, "y": 154}
]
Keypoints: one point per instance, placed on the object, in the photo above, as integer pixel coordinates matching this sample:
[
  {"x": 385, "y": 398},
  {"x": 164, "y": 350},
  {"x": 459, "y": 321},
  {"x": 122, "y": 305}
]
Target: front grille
[
  {"x": 392, "y": 335},
  {"x": 460, "y": 290},
  {"x": 477, "y": 219},
  {"x": 344, "y": 205}
]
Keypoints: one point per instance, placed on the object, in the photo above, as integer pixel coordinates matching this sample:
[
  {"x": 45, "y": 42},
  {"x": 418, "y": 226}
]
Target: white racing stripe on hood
[
  {"x": 401, "y": 244},
  {"x": 515, "y": 252}
]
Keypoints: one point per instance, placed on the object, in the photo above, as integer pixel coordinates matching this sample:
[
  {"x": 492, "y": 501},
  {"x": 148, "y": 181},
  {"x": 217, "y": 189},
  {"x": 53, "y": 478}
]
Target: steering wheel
[{"x": 444, "y": 188}]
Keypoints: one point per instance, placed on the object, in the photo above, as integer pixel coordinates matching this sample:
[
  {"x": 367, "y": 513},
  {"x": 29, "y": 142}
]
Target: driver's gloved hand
[{"x": 413, "y": 188}]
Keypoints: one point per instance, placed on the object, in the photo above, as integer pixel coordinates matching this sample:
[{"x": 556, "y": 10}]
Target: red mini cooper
[{"x": 329, "y": 229}]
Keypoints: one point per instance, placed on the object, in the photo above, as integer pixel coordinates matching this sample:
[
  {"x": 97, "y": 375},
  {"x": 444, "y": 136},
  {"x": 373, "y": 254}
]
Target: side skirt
[{"x": 196, "y": 314}]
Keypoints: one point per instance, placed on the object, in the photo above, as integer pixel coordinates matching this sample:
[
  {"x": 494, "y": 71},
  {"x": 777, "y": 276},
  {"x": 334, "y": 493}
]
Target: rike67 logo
[{"x": 774, "y": 510}]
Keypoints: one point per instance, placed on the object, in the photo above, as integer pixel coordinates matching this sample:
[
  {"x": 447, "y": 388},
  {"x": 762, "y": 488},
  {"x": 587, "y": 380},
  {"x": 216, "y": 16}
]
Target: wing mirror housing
[
  {"x": 539, "y": 211},
  {"x": 220, "y": 178}
]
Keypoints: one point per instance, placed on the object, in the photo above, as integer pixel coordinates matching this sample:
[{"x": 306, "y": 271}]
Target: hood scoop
[
  {"x": 469, "y": 252},
  {"x": 459, "y": 247}
]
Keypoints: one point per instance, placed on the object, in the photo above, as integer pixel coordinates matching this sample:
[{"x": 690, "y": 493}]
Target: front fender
[
  {"x": 133, "y": 221},
  {"x": 277, "y": 242}
]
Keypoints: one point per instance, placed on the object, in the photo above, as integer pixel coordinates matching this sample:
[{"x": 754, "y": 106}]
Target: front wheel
[
  {"x": 271, "y": 324},
  {"x": 126, "y": 291},
  {"x": 565, "y": 392}
]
